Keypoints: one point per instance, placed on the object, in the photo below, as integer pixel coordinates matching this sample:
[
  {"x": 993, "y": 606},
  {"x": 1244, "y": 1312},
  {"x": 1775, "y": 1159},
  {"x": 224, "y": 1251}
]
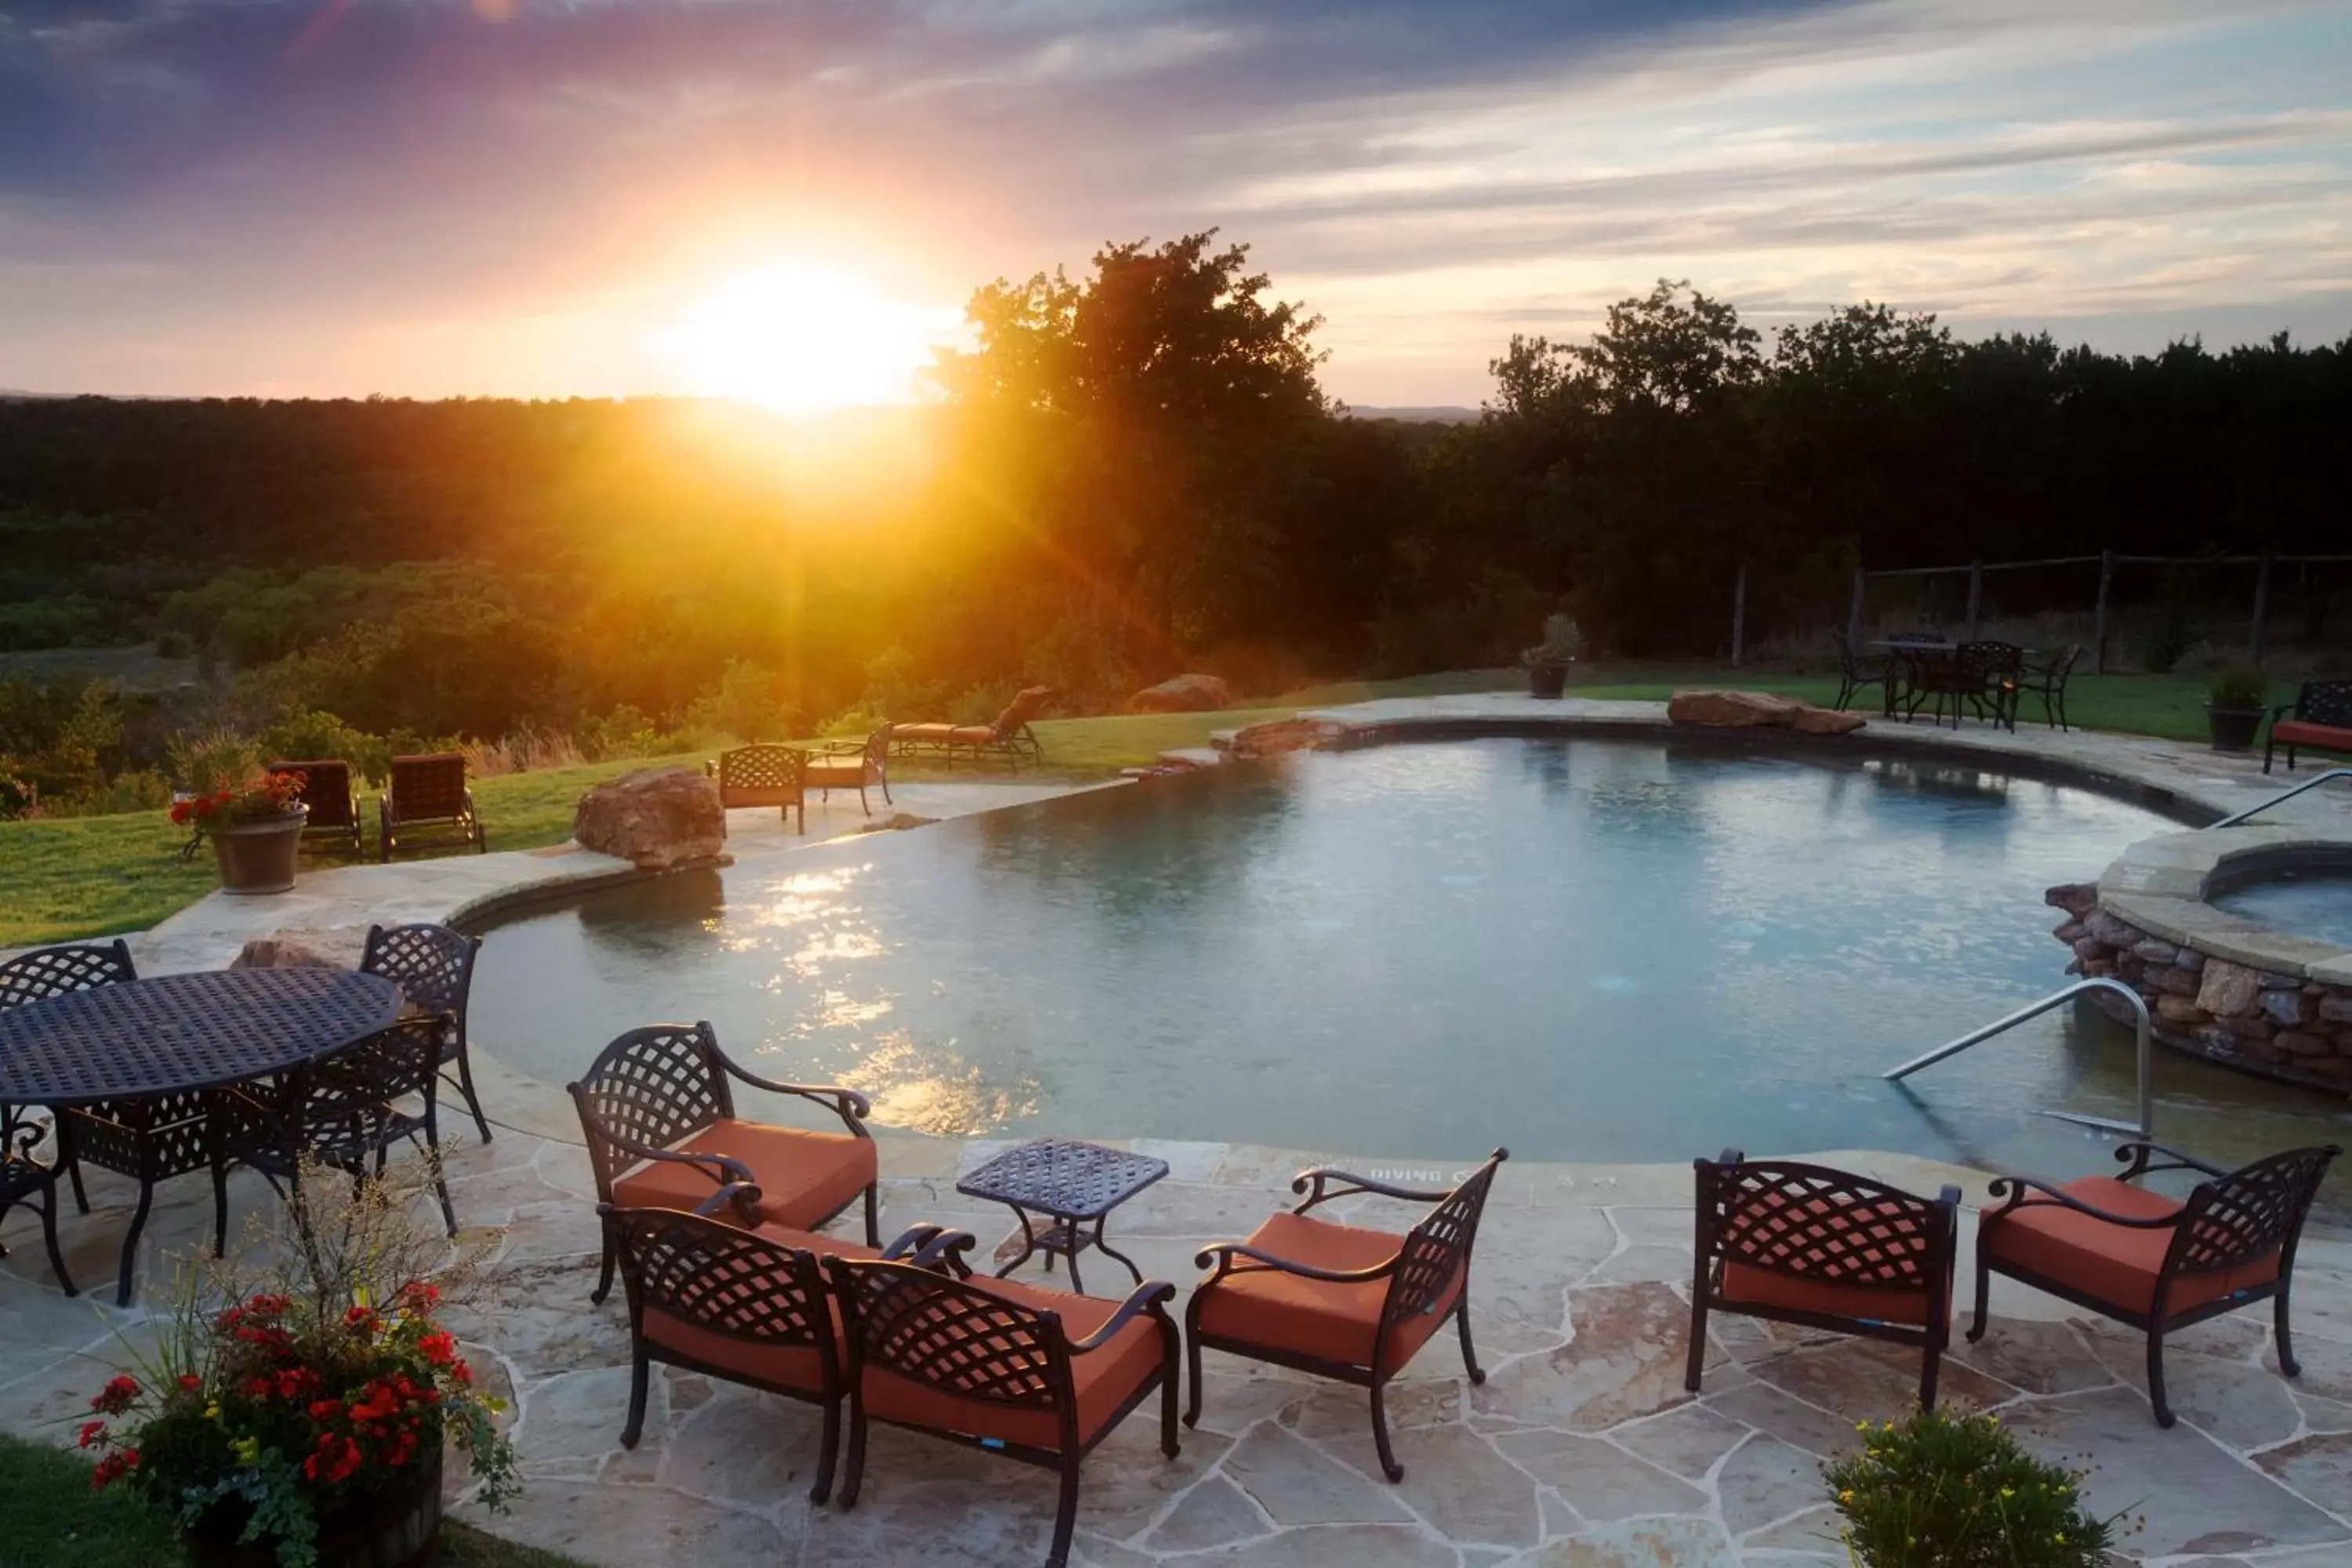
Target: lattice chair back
[
  {"x": 876, "y": 759},
  {"x": 653, "y": 1086},
  {"x": 1990, "y": 657},
  {"x": 2325, "y": 702},
  {"x": 1437, "y": 1250},
  {"x": 426, "y": 787},
  {"x": 2249, "y": 1215},
  {"x": 2060, "y": 667},
  {"x": 1810, "y": 1222},
  {"x": 432, "y": 965},
  {"x": 326, "y": 789},
  {"x": 761, "y": 768},
  {"x": 957, "y": 1339},
  {"x": 49, "y": 972},
  {"x": 1020, "y": 710},
  {"x": 723, "y": 1279},
  {"x": 345, "y": 1100}
]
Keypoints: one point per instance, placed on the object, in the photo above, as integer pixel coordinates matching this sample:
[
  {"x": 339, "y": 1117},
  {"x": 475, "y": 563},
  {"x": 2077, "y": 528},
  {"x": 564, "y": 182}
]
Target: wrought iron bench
[{"x": 2320, "y": 718}]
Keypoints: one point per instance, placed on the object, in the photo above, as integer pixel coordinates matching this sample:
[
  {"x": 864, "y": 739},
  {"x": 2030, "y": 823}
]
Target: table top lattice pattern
[{"x": 1063, "y": 1177}]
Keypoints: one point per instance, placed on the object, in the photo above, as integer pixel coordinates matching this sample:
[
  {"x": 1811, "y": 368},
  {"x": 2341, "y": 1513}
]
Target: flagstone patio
[{"x": 1581, "y": 1450}]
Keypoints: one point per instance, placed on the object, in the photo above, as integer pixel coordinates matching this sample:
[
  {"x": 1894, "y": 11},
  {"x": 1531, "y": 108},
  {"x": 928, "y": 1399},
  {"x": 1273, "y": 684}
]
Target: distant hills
[{"x": 1415, "y": 414}]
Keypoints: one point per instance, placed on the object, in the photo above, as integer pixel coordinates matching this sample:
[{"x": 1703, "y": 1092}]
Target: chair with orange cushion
[
  {"x": 2156, "y": 1262},
  {"x": 1339, "y": 1301},
  {"x": 657, "y": 1111},
  {"x": 1826, "y": 1249},
  {"x": 747, "y": 1306},
  {"x": 851, "y": 764},
  {"x": 1008, "y": 735},
  {"x": 1038, "y": 1375}
]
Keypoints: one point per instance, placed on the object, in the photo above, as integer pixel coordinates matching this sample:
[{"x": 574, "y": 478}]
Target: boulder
[
  {"x": 897, "y": 821},
  {"x": 2228, "y": 989},
  {"x": 2077, "y": 899},
  {"x": 1813, "y": 720},
  {"x": 655, "y": 818},
  {"x": 2183, "y": 1010},
  {"x": 1277, "y": 735},
  {"x": 1182, "y": 694},
  {"x": 323, "y": 948},
  {"x": 1756, "y": 710}
]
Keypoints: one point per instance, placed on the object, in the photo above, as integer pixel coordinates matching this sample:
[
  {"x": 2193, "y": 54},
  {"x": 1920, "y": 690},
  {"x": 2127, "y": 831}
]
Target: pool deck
[{"x": 1581, "y": 1449}]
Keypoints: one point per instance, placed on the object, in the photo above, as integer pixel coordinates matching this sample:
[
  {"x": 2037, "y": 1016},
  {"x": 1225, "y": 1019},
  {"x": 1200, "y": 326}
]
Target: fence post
[
  {"x": 1853, "y": 614},
  {"x": 2099, "y": 617},
  {"x": 1738, "y": 614},
  {"x": 2261, "y": 604},
  {"x": 1976, "y": 597}
]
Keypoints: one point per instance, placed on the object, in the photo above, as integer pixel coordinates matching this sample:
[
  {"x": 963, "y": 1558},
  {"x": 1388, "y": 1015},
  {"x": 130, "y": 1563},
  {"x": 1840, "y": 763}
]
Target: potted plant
[
  {"x": 1941, "y": 1491},
  {"x": 296, "y": 1418},
  {"x": 1548, "y": 661},
  {"x": 2233, "y": 710},
  {"x": 256, "y": 828}
]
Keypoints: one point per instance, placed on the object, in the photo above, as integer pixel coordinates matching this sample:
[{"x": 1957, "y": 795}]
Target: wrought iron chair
[
  {"x": 1822, "y": 1248},
  {"x": 1038, "y": 1375},
  {"x": 1858, "y": 670},
  {"x": 1337, "y": 1300},
  {"x": 25, "y": 1181},
  {"x": 763, "y": 773},
  {"x": 2154, "y": 1262},
  {"x": 2046, "y": 678},
  {"x": 851, "y": 765},
  {"x": 328, "y": 789},
  {"x": 345, "y": 1111},
  {"x": 749, "y": 1306},
  {"x": 1008, "y": 735},
  {"x": 2320, "y": 719},
  {"x": 657, "y": 1113},
  {"x": 149, "y": 1141},
  {"x": 434, "y": 967},
  {"x": 428, "y": 792}
]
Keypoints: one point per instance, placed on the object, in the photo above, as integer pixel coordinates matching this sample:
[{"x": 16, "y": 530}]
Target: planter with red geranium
[
  {"x": 303, "y": 1425},
  {"x": 255, "y": 830}
]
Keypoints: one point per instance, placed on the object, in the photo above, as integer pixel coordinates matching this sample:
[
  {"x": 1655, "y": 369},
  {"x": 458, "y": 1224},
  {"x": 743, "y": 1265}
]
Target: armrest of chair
[
  {"x": 914, "y": 1238},
  {"x": 1315, "y": 1176},
  {"x": 2019, "y": 1189},
  {"x": 852, "y": 1107},
  {"x": 2138, "y": 1156},
  {"x": 728, "y": 1168},
  {"x": 1146, "y": 1298},
  {"x": 944, "y": 1253},
  {"x": 743, "y": 1197},
  {"x": 1222, "y": 1254}
]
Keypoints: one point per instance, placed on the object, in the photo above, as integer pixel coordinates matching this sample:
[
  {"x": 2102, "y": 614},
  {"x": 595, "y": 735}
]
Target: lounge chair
[
  {"x": 1008, "y": 736},
  {"x": 658, "y": 1110},
  {"x": 851, "y": 765},
  {"x": 1821, "y": 1248},
  {"x": 428, "y": 792},
  {"x": 1029, "y": 1374},
  {"x": 327, "y": 788},
  {"x": 2154, "y": 1262},
  {"x": 2320, "y": 719},
  {"x": 762, "y": 773},
  {"x": 746, "y": 1306},
  {"x": 1339, "y": 1301}
]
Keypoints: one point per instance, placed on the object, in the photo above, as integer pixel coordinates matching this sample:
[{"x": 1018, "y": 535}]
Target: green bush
[
  {"x": 312, "y": 732},
  {"x": 2240, "y": 686},
  {"x": 1942, "y": 1492}
]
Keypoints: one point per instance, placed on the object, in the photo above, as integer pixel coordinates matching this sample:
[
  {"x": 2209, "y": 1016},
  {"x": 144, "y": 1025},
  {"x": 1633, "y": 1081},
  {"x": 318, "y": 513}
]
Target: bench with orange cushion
[
  {"x": 2156, "y": 1262},
  {"x": 1822, "y": 1247},
  {"x": 1341, "y": 1300},
  {"x": 1034, "y": 1374},
  {"x": 2319, "y": 719}
]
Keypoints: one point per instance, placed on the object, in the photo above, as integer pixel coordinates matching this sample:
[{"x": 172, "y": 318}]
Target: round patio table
[{"x": 183, "y": 1033}]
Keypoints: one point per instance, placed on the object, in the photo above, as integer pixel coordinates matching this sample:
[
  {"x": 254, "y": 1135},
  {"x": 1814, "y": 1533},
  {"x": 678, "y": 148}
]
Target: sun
[{"x": 799, "y": 337}]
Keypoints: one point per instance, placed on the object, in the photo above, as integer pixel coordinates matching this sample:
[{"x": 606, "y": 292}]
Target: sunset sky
[{"x": 432, "y": 197}]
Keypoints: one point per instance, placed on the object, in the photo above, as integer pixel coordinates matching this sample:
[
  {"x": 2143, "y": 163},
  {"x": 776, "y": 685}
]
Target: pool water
[
  {"x": 1583, "y": 949},
  {"x": 2315, "y": 904}
]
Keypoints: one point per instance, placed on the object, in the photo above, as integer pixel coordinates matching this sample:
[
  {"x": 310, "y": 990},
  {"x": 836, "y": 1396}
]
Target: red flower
[
  {"x": 437, "y": 1348},
  {"x": 116, "y": 1396},
  {"x": 190, "y": 1382},
  {"x": 113, "y": 1468},
  {"x": 267, "y": 1305},
  {"x": 461, "y": 1373},
  {"x": 93, "y": 1434},
  {"x": 418, "y": 1295},
  {"x": 180, "y": 813}
]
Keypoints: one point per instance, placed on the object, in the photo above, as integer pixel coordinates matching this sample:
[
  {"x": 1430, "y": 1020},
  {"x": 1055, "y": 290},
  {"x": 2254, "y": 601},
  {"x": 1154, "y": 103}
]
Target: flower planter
[
  {"x": 256, "y": 855},
  {"x": 1546, "y": 680},
  {"x": 402, "y": 1531},
  {"x": 2233, "y": 729}
]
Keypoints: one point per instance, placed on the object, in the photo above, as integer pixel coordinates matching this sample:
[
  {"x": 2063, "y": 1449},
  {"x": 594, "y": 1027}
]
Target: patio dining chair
[
  {"x": 2046, "y": 678},
  {"x": 1858, "y": 672},
  {"x": 1033, "y": 1374},
  {"x": 751, "y": 1307},
  {"x": 853, "y": 764},
  {"x": 2154, "y": 1262},
  {"x": 344, "y": 1113},
  {"x": 434, "y": 967},
  {"x": 328, "y": 789},
  {"x": 26, "y": 1183},
  {"x": 762, "y": 773},
  {"x": 657, "y": 1113},
  {"x": 1341, "y": 1300},
  {"x": 428, "y": 792},
  {"x": 1822, "y": 1248}
]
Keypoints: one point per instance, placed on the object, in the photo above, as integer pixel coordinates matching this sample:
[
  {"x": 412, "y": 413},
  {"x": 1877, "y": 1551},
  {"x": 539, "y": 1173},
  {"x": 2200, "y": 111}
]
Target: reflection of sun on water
[{"x": 936, "y": 1091}]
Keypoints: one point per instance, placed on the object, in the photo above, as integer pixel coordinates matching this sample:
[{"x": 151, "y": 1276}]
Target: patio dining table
[
  {"x": 148, "y": 1040},
  {"x": 1919, "y": 664}
]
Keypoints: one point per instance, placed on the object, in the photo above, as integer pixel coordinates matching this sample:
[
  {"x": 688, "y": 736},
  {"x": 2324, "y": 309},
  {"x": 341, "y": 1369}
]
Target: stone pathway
[{"x": 1581, "y": 1450}]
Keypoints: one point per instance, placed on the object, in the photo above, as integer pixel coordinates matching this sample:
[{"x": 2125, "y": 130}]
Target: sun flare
[{"x": 799, "y": 337}]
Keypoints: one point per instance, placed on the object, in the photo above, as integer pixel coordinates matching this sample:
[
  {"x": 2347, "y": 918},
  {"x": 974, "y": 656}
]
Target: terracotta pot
[
  {"x": 1546, "y": 680},
  {"x": 402, "y": 1531},
  {"x": 2233, "y": 729},
  {"x": 257, "y": 856}
]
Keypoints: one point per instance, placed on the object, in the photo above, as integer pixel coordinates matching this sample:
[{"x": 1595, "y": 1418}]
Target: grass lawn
[
  {"x": 94, "y": 876},
  {"x": 50, "y": 1518}
]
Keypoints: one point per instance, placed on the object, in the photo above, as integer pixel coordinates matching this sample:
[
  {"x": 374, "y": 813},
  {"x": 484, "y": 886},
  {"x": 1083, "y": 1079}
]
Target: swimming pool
[
  {"x": 1585, "y": 949},
  {"x": 2314, "y": 903}
]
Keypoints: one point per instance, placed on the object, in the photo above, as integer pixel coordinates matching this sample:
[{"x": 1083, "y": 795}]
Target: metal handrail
[
  {"x": 2277, "y": 799},
  {"x": 2141, "y": 1028}
]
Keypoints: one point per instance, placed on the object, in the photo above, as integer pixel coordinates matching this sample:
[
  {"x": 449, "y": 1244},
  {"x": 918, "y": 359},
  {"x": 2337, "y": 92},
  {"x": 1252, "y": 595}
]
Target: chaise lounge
[{"x": 1008, "y": 735}]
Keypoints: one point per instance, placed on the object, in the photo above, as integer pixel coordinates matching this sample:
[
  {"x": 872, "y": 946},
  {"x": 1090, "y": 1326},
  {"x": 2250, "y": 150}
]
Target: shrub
[
  {"x": 752, "y": 703},
  {"x": 210, "y": 759},
  {"x": 2240, "y": 686},
  {"x": 1942, "y": 1492},
  {"x": 314, "y": 732}
]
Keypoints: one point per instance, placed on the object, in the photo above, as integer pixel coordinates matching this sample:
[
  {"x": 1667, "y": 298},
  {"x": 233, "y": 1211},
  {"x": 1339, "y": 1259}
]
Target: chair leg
[
  {"x": 220, "y": 1208},
  {"x": 1984, "y": 1295},
  {"x": 2288, "y": 1365},
  {"x": 1933, "y": 1366},
  {"x": 855, "y": 1475},
  {"x": 2164, "y": 1416},
  {"x": 131, "y": 1244},
  {"x": 1697, "y": 1356},
  {"x": 873, "y": 1213},
  {"x": 440, "y": 1177},
  {"x": 1462, "y": 1323},
  {"x": 466, "y": 1089},
  {"x": 50, "y": 1240},
  {"x": 604, "y": 1277},
  {"x": 1193, "y": 1358},
  {"x": 1065, "y": 1514},
  {"x": 639, "y": 1372},
  {"x": 1388, "y": 1466},
  {"x": 72, "y": 1163},
  {"x": 1171, "y": 1374}
]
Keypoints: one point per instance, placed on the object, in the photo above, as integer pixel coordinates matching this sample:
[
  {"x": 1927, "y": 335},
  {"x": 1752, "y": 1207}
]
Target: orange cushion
[
  {"x": 850, "y": 771},
  {"x": 1266, "y": 1307},
  {"x": 2115, "y": 1263},
  {"x": 921, "y": 732},
  {"x": 971, "y": 734},
  {"x": 1104, "y": 1377},
  {"x": 1744, "y": 1285},
  {"x": 2303, "y": 733},
  {"x": 804, "y": 1178},
  {"x": 791, "y": 1365}
]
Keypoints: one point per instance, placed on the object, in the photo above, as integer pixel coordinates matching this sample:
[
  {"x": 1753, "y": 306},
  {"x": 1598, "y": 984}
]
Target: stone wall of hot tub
[{"x": 2281, "y": 1025}]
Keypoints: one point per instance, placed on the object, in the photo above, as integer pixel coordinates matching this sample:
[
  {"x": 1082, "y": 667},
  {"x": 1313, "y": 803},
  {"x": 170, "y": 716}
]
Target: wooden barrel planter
[
  {"x": 402, "y": 1531},
  {"x": 258, "y": 855}
]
